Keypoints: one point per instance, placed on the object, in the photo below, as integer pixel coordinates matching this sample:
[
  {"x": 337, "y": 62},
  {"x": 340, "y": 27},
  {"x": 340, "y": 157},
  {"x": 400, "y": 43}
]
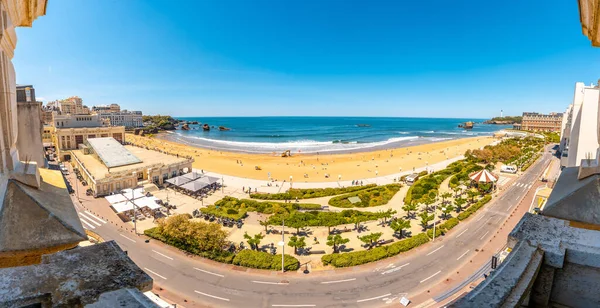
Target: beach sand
[{"x": 351, "y": 166}]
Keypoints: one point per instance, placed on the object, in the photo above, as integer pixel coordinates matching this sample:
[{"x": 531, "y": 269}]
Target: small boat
[{"x": 206, "y": 127}]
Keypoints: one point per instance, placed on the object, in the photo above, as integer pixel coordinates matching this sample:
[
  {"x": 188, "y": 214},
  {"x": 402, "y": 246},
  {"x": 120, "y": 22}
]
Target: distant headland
[{"x": 504, "y": 120}]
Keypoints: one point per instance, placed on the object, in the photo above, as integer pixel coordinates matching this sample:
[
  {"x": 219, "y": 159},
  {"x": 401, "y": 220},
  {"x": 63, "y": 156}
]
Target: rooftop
[
  {"x": 112, "y": 153},
  {"x": 148, "y": 158}
]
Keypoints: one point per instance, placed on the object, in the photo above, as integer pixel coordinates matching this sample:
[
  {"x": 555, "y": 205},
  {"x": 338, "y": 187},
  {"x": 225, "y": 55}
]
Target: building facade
[
  {"x": 25, "y": 93},
  {"x": 71, "y": 105},
  {"x": 72, "y": 130},
  {"x": 112, "y": 108},
  {"x": 579, "y": 135},
  {"x": 534, "y": 121},
  {"x": 123, "y": 118}
]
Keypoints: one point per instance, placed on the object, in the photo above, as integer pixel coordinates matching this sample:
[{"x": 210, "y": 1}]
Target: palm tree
[
  {"x": 399, "y": 225},
  {"x": 253, "y": 241},
  {"x": 472, "y": 194},
  {"x": 335, "y": 241},
  {"x": 297, "y": 242},
  {"x": 459, "y": 203},
  {"x": 370, "y": 238},
  {"x": 425, "y": 219},
  {"x": 410, "y": 208},
  {"x": 457, "y": 191},
  {"x": 446, "y": 210},
  {"x": 445, "y": 196}
]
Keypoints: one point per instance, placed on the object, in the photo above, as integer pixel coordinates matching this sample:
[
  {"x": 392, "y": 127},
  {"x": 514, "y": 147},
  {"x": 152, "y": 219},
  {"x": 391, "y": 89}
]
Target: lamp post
[{"x": 282, "y": 244}]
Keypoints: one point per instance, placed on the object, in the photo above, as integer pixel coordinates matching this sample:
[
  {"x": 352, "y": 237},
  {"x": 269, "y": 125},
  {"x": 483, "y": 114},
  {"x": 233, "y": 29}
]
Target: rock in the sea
[
  {"x": 185, "y": 127},
  {"x": 205, "y": 127}
]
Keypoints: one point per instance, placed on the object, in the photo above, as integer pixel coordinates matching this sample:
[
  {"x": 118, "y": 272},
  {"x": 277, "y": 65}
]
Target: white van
[
  {"x": 508, "y": 169},
  {"x": 410, "y": 179}
]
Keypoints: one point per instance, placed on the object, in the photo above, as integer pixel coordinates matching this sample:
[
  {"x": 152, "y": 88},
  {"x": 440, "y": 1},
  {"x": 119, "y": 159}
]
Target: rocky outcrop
[
  {"x": 223, "y": 128},
  {"x": 185, "y": 127},
  {"x": 206, "y": 127}
]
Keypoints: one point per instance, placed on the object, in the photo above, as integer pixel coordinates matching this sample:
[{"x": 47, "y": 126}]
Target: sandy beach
[{"x": 313, "y": 167}]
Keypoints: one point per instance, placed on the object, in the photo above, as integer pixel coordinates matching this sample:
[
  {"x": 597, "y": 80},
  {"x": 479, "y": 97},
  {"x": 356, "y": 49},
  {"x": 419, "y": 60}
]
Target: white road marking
[
  {"x": 87, "y": 223},
  {"x": 211, "y": 273},
  {"x": 436, "y": 249},
  {"x": 394, "y": 269},
  {"x": 162, "y": 255},
  {"x": 480, "y": 217},
  {"x": 336, "y": 281},
  {"x": 301, "y": 305},
  {"x": 430, "y": 277},
  {"x": 88, "y": 214},
  {"x": 84, "y": 218},
  {"x": 269, "y": 282},
  {"x": 529, "y": 186},
  {"x": 462, "y": 233},
  {"x": 126, "y": 237},
  {"x": 372, "y": 298},
  {"x": 498, "y": 220},
  {"x": 487, "y": 220},
  {"x": 221, "y": 298},
  {"x": 484, "y": 235},
  {"x": 462, "y": 255},
  {"x": 154, "y": 273}
]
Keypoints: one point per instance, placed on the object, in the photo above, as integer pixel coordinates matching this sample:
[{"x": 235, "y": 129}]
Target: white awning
[
  {"x": 147, "y": 202},
  {"x": 112, "y": 199},
  {"x": 123, "y": 206},
  {"x": 137, "y": 193}
]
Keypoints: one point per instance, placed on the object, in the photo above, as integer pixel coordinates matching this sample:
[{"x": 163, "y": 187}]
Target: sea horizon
[{"x": 323, "y": 134}]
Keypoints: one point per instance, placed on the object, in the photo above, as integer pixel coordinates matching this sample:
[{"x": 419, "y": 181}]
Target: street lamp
[{"x": 282, "y": 244}]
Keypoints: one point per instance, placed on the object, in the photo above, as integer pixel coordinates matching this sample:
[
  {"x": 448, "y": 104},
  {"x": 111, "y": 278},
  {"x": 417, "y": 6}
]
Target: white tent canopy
[
  {"x": 192, "y": 175},
  {"x": 122, "y": 206},
  {"x": 147, "y": 202},
  {"x": 137, "y": 193},
  {"x": 112, "y": 199},
  {"x": 179, "y": 180}
]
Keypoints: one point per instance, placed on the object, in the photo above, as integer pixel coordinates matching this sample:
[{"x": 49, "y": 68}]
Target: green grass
[
  {"x": 370, "y": 197},
  {"x": 308, "y": 193}
]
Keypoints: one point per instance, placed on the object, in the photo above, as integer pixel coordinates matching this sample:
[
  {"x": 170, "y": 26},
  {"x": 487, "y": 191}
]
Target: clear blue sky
[{"x": 434, "y": 58}]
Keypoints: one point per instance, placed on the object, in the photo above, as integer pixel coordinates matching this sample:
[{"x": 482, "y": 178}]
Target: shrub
[
  {"x": 423, "y": 173},
  {"x": 224, "y": 212},
  {"x": 374, "y": 196},
  {"x": 309, "y": 206},
  {"x": 473, "y": 208},
  {"x": 442, "y": 228},
  {"x": 263, "y": 260},
  {"x": 375, "y": 254},
  {"x": 307, "y": 193}
]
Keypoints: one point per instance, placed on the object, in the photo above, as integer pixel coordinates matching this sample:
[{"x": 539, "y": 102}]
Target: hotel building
[
  {"x": 72, "y": 130},
  {"x": 123, "y": 118},
  {"x": 542, "y": 122},
  {"x": 108, "y": 166}
]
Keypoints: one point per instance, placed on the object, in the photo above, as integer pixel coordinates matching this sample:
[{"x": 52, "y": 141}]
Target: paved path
[{"x": 371, "y": 285}]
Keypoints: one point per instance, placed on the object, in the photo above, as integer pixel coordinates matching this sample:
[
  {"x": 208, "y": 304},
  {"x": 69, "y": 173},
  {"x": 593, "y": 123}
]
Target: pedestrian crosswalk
[
  {"x": 90, "y": 221},
  {"x": 522, "y": 185}
]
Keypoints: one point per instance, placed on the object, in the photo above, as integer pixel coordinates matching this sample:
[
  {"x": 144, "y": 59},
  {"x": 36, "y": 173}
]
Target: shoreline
[{"x": 322, "y": 167}]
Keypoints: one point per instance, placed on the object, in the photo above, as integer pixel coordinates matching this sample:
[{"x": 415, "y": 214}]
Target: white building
[
  {"x": 123, "y": 118},
  {"x": 579, "y": 135}
]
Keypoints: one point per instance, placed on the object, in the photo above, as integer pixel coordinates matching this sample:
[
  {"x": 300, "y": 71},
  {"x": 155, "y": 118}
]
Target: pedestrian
[{"x": 244, "y": 188}]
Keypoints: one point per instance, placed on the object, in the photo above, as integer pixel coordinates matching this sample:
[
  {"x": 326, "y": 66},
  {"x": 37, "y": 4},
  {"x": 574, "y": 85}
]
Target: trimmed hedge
[
  {"x": 319, "y": 218},
  {"x": 442, "y": 228},
  {"x": 374, "y": 196},
  {"x": 263, "y": 260},
  {"x": 308, "y": 193},
  {"x": 247, "y": 258},
  {"x": 429, "y": 184},
  {"x": 224, "y": 212},
  {"x": 375, "y": 254},
  {"x": 473, "y": 208}
]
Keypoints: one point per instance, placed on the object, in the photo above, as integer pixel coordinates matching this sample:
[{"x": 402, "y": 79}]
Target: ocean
[{"x": 323, "y": 134}]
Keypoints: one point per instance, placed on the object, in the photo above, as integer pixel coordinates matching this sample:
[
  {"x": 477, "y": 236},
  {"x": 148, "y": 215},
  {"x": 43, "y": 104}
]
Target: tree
[
  {"x": 445, "y": 196},
  {"x": 335, "y": 241},
  {"x": 409, "y": 208},
  {"x": 264, "y": 223},
  {"x": 297, "y": 242},
  {"x": 459, "y": 202},
  {"x": 399, "y": 225},
  {"x": 472, "y": 194},
  {"x": 447, "y": 209},
  {"x": 370, "y": 238},
  {"x": 425, "y": 219},
  {"x": 387, "y": 214},
  {"x": 253, "y": 241},
  {"x": 457, "y": 191},
  {"x": 329, "y": 219}
]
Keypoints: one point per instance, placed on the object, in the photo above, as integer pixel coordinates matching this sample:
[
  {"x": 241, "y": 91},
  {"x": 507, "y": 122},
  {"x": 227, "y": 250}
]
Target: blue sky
[{"x": 434, "y": 58}]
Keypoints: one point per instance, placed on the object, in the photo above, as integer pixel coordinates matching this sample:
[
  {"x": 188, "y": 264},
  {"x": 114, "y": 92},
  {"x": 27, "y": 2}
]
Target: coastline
[{"x": 312, "y": 167}]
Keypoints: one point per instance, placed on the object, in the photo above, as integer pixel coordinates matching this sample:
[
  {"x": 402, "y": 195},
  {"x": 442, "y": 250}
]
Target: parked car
[{"x": 411, "y": 179}]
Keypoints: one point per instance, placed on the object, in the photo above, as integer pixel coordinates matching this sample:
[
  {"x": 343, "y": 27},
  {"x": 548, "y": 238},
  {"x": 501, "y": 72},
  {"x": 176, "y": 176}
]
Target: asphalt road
[{"x": 367, "y": 286}]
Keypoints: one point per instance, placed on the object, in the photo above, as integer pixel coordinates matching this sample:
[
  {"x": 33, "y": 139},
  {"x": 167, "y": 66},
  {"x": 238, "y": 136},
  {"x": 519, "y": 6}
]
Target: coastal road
[{"x": 372, "y": 285}]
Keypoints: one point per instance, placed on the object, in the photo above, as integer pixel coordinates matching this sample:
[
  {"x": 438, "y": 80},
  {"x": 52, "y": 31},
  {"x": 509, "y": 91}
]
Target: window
[
  {"x": 174, "y": 174},
  {"x": 165, "y": 176}
]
